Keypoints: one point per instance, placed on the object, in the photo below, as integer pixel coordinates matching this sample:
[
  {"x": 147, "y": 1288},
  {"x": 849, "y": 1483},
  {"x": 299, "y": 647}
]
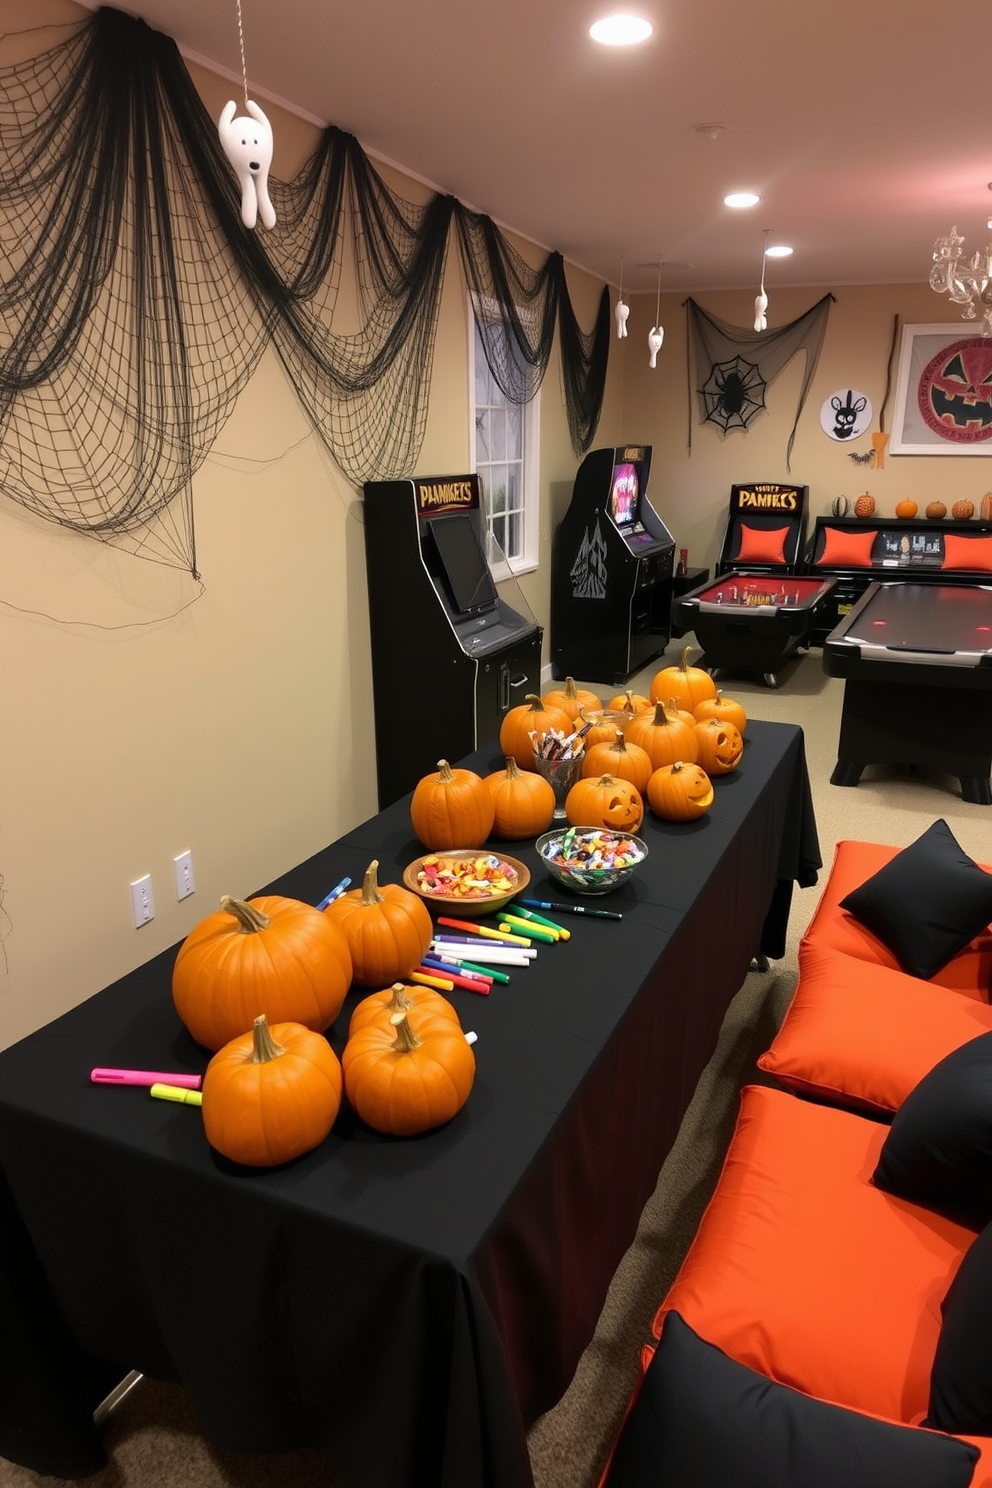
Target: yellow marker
[
  {"x": 528, "y": 914},
  {"x": 177, "y": 1093},
  {"x": 505, "y": 935},
  {"x": 537, "y": 932},
  {"x": 441, "y": 983}
]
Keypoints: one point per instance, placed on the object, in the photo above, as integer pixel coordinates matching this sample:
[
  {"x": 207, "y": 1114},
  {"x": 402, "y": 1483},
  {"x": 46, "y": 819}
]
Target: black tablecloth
[{"x": 406, "y": 1306}]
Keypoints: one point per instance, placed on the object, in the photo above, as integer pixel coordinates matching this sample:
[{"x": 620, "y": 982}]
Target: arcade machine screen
[
  {"x": 469, "y": 580},
  {"x": 623, "y": 495}
]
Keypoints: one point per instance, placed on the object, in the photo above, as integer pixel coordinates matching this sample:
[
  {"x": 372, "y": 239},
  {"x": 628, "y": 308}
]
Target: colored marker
[
  {"x": 447, "y": 957},
  {"x": 425, "y": 978},
  {"x": 468, "y": 984},
  {"x": 535, "y": 932},
  {"x": 177, "y": 1093},
  {"x": 488, "y": 950},
  {"x": 335, "y": 893},
  {"x": 528, "y": 914},
  {"x": 448, "y": 967},
  {"x": 579, "y": 909},
  {"x": 484, "y": 930},
  {"x": 110, "y": 1076}
]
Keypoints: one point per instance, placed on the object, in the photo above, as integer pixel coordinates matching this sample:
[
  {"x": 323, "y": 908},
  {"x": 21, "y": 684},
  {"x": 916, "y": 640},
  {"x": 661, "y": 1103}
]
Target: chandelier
[{"x": 968, "y": 282}]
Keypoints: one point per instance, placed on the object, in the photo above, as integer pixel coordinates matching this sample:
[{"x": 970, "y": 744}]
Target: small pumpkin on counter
[
  {"x": 622, "y": 760},
  {"x": 689, "y": 685},
  {"x": 571, "y": 698},
  {"x": 529, "y": 717},
  {"x": 379, "y": 1007},
  {"x": 865, "y": 505},
  {"x": 271, "y": 1094},
  {"x": 523, "y": 801},
  {"x": 936, "y": 510},
  {"x": 605, "y": 802},
  {"x": 962, "y": 511},
  {"x": 387, "y": 928},
  {"x": 722, "y": 707},
  {"x": 402, "y": 1080},
  {"x": 720, "y": 746},
  {"x": 664, "y": 736},
  {"x": 268, "y": 955},
  {"x": 451, "y": 808},
  {"x": 680, "y": 792},
  {"x": 906, "y": 508}
]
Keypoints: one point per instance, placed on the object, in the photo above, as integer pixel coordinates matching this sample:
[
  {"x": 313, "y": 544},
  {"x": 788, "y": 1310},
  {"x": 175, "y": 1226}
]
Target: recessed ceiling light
[
  {"x": 741, "y": 199},
  {"x": 620, "y": 30},
  {"x": 778, "y": 250}
]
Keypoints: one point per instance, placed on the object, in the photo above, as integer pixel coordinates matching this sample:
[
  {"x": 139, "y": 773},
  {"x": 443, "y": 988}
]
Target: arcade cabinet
[
  {"x": 766, "y": 529},
  {"x": 612, "y": 567},
  {"x": 453, "y": 648}
]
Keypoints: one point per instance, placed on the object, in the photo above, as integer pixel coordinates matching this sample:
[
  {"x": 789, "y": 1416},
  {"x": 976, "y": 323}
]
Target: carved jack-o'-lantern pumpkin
[
  {"x": 606, "y": 802},
  {"x": 720, "y": 746},
  {"x": 954, "y": 392}
]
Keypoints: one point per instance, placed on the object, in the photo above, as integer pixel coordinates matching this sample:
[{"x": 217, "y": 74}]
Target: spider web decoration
[
  {"x": 135, "y": 307},
  {"x": 733, "y": 393},
  {"x": 730, "y": 367}
]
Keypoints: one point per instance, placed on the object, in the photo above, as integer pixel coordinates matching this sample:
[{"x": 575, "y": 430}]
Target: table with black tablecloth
[{"x": 407, "y": 1307}]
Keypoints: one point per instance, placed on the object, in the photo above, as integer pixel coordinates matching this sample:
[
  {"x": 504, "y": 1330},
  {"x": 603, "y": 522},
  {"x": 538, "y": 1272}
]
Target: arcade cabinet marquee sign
[
  {"x": 435, "y": 497},
  {"x": 767, "y": 497}
]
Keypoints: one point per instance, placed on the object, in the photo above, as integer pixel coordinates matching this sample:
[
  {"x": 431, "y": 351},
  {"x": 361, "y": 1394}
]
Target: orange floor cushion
[
  {"x": 864, "y": 1035},
  {"x": 805, "y": 1272}
]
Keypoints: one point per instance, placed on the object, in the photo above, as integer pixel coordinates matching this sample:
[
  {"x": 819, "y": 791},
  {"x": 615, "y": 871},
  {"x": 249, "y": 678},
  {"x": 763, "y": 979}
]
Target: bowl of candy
[
  {"x": 466, "y": 881},
  {"x": 590, "y": 860}
]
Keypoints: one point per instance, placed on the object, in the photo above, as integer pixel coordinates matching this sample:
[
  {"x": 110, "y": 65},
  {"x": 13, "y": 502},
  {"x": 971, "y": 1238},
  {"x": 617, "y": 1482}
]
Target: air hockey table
[
  {"x": 751, "y": 622},
  {"x": 917, "y": 666}
]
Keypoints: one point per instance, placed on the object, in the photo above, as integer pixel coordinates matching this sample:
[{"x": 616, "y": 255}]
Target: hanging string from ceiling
[
  {"x": 656, "y": 334},
  {"x": 248, "y": 144}
]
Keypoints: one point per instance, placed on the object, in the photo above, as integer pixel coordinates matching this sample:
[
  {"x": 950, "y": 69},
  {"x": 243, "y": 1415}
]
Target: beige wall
[
  {"x": 142, "y": 717},
  {"x": 691, "y": 489}
]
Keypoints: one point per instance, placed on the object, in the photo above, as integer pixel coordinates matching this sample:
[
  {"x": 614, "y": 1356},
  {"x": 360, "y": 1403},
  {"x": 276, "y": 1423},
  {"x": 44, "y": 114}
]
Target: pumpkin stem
[
  {"x": 512, "y": 768},
  {"x": 444, "y": 771},
  {"x": 250, "y": 920},
  {"x": 569, "y": 689},
  {"x": 684, "y": 659},
  {"x": 661, "y": 718},
  {"x": 401, "y": 1001},
  {"x": 370, "y": 884},
  {"x": 536, "y": 703},
  {"x": 264, "y": 1046},
  {"x": 406, "y": 1039}
]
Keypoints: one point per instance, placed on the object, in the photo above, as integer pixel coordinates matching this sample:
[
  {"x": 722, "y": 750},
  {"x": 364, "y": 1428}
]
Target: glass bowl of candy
[
  {"x": 590, "y": 860},
  {"x": 466, "y": 881}
]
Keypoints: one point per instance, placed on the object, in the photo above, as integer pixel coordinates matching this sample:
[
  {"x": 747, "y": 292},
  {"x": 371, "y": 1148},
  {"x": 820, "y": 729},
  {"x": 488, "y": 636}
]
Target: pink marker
[{"x": 143, "y": 1077}]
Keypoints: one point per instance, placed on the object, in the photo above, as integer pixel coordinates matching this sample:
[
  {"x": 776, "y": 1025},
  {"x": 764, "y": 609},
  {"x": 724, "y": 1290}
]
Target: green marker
[{"x": 528, "y": 914}]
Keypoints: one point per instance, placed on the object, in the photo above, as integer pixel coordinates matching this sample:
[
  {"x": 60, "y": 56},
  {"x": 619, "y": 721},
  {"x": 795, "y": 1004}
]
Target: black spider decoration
[{"x": 733, "y": 393}]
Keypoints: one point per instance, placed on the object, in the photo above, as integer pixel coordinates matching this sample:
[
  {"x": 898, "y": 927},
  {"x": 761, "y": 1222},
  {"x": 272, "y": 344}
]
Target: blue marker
[{"x": 335, "y": 893}]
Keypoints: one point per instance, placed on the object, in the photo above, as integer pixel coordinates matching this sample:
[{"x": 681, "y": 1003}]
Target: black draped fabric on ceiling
[{"x": 134, "y": 305}]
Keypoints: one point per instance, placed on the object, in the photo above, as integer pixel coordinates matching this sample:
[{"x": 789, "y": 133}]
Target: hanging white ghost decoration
[
  {"x": 247, "y": 143},
  {"x": 760, "y": 306},
  {"x": 621, "y": 312},
  {"x": 656, "y": 336}
]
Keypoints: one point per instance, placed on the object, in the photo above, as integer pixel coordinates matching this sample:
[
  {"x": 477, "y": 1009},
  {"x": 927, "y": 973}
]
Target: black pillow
[
  {"x": 926, "y": 903},
  {"x": 704, "y": 1420},
  {"x": 961, "y": 1377},
  {"x": 938, "y": 1151}
]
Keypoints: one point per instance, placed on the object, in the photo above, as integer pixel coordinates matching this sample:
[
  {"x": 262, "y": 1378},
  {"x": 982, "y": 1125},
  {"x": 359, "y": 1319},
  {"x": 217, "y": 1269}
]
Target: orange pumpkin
[
  {"x": 271, "y": 1094},
  {"x": 599, "y": 726},
  {"x": 622, "y": 760},
  {"x": 720, "y": 746},
  {"x": 629, "y": 702},
  {"x": 722, "y": 707},
  {"x": 571, "y": 698},
  {"x": 674, "y": 711},
  {"x": 451, "y": 808},
  {"x": 962, "y": 510},
  {"x": 523, "y": 801},
  {"x": 906, "y": 508},
  {"x": 936, "y": 510},
  {"x": 688, "y": 685},
  {"x": 387, "y": 928},
  {"x": 606, "y": 802},
  {"x": 865, "y": 505},
  {"x": 664, "y": 737},
  {"x": 680, "y": 792},
  {"x": 269, "y": 955},
  {"x": 379, "y": 1007},
  {"x": 402, "y": 1080},
  {"x": 529, "y": 717}
]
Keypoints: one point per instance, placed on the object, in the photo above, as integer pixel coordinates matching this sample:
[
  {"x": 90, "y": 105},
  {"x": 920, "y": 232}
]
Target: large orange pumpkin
[
  {"x": 722, "y": 707},
  {"x": 680, "y": 792},
  {"x": 523, "y": 801},
  {"x": 720, "y": 746},
  {"x": 402, "y": 1080},
  {"x": 664, "y": 736},
  {"x": 529, "y": 717},
  {"x": 269, "y": 955},
  {"x": 688, "y": 685},
  {"x": 606, "y": 802},
  {"x": 271, "y": 1094},
  {"x": 387, "y": 928},
  {"x": 622, "y": 760},
  {"x": 571, "y": 698},
  {"x": 451, "y": 808},
  {"x": 379, "y": 1007}
]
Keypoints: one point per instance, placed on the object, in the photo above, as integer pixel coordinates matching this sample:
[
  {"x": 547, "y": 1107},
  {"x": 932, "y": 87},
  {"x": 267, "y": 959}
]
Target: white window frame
[{"x": 527, "y": 560}]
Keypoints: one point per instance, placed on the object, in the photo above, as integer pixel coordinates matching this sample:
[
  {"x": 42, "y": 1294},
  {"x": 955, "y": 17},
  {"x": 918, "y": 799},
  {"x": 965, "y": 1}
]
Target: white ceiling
[{"x": 862, "y": 123}]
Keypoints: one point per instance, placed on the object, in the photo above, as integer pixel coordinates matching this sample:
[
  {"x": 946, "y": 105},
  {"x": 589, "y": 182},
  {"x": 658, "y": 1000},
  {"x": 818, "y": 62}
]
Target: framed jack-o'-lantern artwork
[{"x": 943, "y": 401}]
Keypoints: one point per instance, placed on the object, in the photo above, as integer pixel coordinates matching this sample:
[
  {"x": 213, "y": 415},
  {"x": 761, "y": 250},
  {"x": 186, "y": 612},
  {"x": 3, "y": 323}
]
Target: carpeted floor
[{"x": 153, "y": 1438}]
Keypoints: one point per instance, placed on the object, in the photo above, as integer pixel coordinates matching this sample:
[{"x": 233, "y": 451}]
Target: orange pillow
[
  {"x": 762, "y": 544},
  {"x": 967, "y": 552},
  {"x": 863, "y": 1036},
  {"x": 804, "y": 1271},
  {"x": 846, "y": 549}
]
